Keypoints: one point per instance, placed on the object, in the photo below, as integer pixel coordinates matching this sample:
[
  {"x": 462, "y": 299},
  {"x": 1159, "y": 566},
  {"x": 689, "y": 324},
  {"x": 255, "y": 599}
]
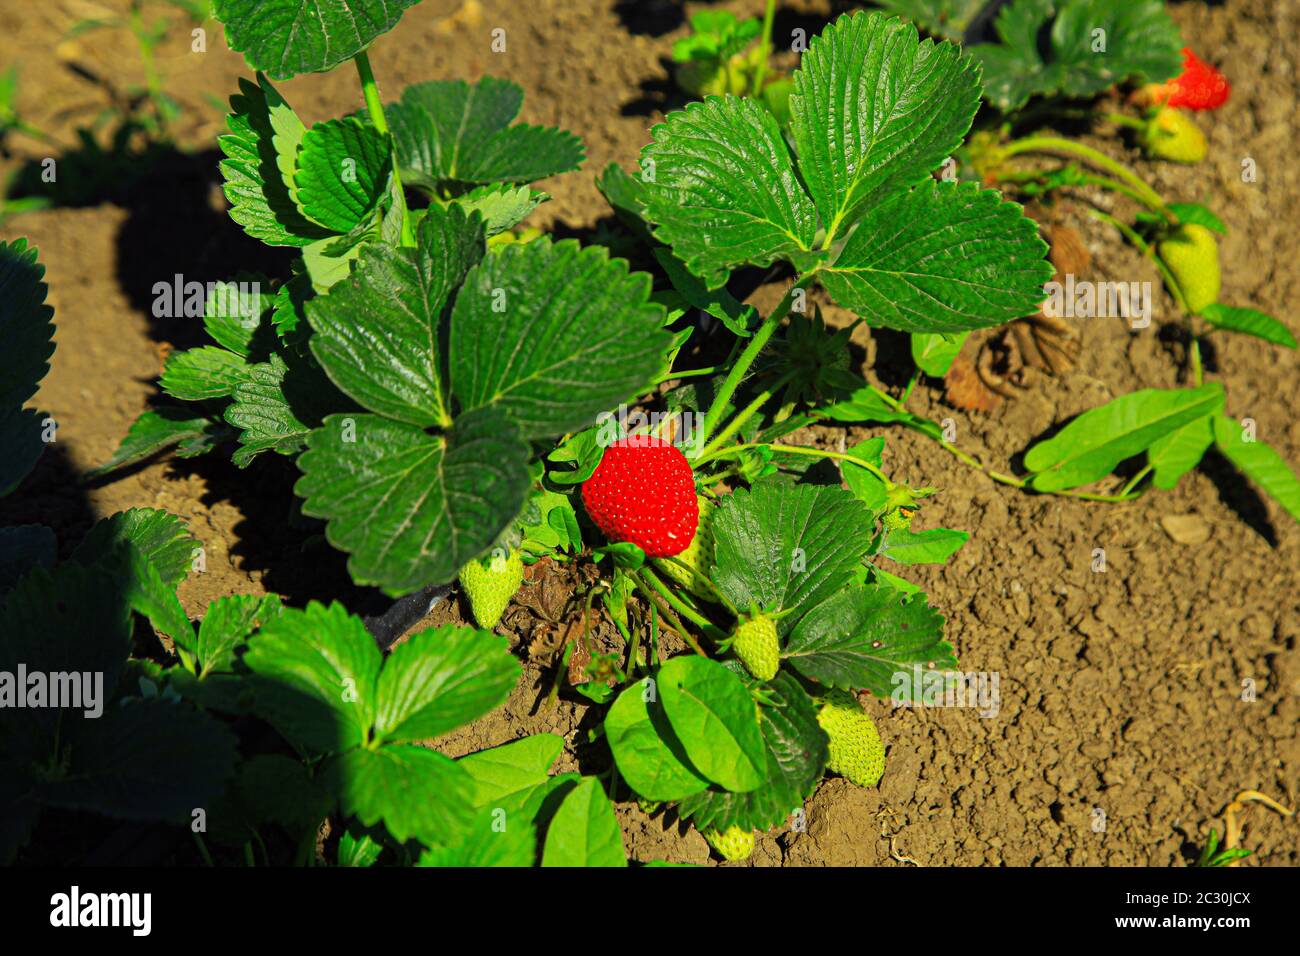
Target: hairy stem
[
  {"x": 375, "y": 108},
  {"x": 747, "y": 358},
  {"x": 760, "y": 73},
  {"x": 745, "y": 414},
  {"x": 1057, "y": 146}
]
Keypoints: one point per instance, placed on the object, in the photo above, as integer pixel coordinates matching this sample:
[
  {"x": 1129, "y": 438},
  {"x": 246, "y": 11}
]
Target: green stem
[
  {"x": 799, "y": 450},
  {"x": 633, "y": 644},
  {"x": 677, "y": 604},
  {"x": 375, "y": 108},
  {"x": 660, "y": 597},
  {"x": 152, "y": 81},
  {"x": 1011, "y": 480},
  {"x": 1123, "y": 119},
  {"x": 688, "y": 373},
  {"x": 1058, "y": 146},
  {"x": 738, "y": 420},
  {"x": 203, "y": 850},
  {"x": 1104, "y": 182},
  {"x": 737, "y": 374},
  {"x": 911, "y": 384},
  {"x": 1136, "y": 479},
  {"x": 760, "y": 74},
  {"x": 708, "y": 582},
  {"x": 1198, "y": 373}
]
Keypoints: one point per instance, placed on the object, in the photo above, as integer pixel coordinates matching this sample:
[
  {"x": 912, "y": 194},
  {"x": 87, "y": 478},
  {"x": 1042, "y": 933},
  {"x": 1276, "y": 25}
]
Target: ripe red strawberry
[
  {"x": 643, "y": 491},
  {"x": 1199, "y": 87}
]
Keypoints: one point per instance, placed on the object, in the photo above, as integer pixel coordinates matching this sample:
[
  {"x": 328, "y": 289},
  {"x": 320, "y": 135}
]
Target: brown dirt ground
[{"x": 1120, "y": 690}]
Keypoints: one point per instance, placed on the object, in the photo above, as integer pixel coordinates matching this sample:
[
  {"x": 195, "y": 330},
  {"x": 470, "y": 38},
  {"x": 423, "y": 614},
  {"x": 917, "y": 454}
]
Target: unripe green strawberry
[
  {"x": 490, "y": 583},
  {"x": 755, "y": 643},
  {"x": 856, "y": 750},
  {"x": 900, "y": 519},
  {"x": 698, "y": 556},
  {"x": 732, "y": 843},
  {"x": 1171, "y": 134},
  {"x": 1192, "y": 256}
]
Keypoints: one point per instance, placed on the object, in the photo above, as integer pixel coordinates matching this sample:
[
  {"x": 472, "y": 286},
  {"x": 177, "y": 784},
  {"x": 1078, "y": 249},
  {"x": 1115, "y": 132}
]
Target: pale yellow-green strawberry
[
  {"x": 490, "y": 583},
  {"x": 1192, "y": 255},
  {"x": 1171, "y": 134},
  {"x": 856, "y": 751},
  {"x": 756, "y": 644},
  {"x": 698, "y": 556},
  {"x": 732, "y": 843}
]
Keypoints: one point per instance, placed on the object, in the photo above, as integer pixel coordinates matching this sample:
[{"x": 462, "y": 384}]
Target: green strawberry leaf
[
  {"x": 933, "y": 546},
  {"x": 206, "y": 372},
  {"x": 418, "y": 793},
  {"x": 1014, "y": 69},
  {"x": 1248, "y": 322},
  {"x": 343, "y": 171},
  {"x": 739, "y": 319},
  {"x": 1092, "y": 45},
  {"x": 409, "y": 507},
  {"x": 501, "y": 205},
  {"x": 943, "y": 257},
  {"x": 861, "y": 636},
  {"x": 943, "y": 18},
  {"x": 648, "y": 753},
  {"x": 1258, "y": 462},
  {"x": 261, "y": 151},
  {"x": 1141, "y": 42},
  {"x": 26, "y": 324},
  {"x": 145, "y": 760},
  {"x": 553, "y": 334},
  {"x": 227, "y": 624},
  {"x": 863, "y": 483},
  {"x": 277, "y": 406},
  {"x": 584, "y": 830},
  {"x": 378, "y": 331},
  {"x": 142, "y": 581},
  {"x": 23, "y": 548},
  {"x": 503, "y": 773},
  {"x": 1180, "y": 451},
  {"x": 1090, "y": 446},
  {"x": 487, "y": 842},
  {"x": 315, "y": 673},
  {"x": 71, "y": 619},
  {"x": 795, "y": 755},
  {"x": 288, "y": 37},
  {"x": 786, "y": 547},
  {"x": 719, "y": 183},
  {"x": 160, "y": 536},
  {"x": 860, "y": 139},
  {"x": 22, "y": 432},
  {"x": 358, "y": 850},
  {"x": 158, "y": 430},
  {"x": 935, "y": 352},
  {"x": 450, "y": 131},
  {"x": 441, "y": 678},
  {"x": 1196, "y": 214},
  {"x": 282, "y": 790},
  {"x": 626, "y": 196},
  {"x": 233, "y": 314},
  {"x": 713, "y": 715},
  {"x": 866, "y": 405}
]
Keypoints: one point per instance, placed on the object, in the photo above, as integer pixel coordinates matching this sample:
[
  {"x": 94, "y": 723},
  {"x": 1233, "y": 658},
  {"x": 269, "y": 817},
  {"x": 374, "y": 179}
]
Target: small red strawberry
[
  {"x": 1199, "y": 87},
  {"x": 643, "y": 492}
]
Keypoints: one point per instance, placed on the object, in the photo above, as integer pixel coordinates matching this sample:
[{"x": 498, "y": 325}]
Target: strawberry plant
[
  {"x": 151, "y": 732},
  {"x": 442, "y": 391},
  {"x": 1050, "y": 56},
  {"x": 463, "y": 397}
]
